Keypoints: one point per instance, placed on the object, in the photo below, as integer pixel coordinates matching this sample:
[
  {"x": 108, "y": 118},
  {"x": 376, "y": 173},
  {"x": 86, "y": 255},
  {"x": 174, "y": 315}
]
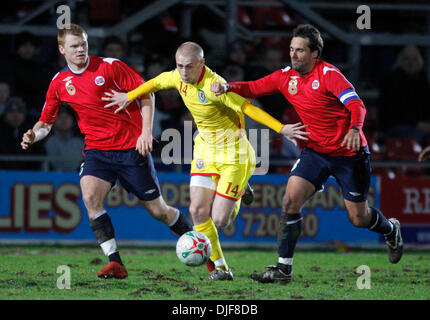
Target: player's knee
[
  {"x": 199, "y": 213},
  {"x": 221, "y": 221},
  {"x": 91, "y": 200}
]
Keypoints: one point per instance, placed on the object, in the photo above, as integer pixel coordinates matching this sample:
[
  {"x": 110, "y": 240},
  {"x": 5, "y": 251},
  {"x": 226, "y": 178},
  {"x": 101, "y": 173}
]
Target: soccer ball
[{"x": 193, "y": 248}]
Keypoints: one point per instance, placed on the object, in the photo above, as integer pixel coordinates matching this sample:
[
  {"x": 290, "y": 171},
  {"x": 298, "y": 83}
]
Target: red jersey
[
  {"x": 83, "y": 90},
  {"x": 324, "y": 100}
]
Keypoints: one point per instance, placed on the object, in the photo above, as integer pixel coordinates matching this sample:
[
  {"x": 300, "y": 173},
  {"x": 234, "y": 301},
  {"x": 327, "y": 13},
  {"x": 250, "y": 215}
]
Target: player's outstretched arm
[
  {"x": 424, "y": 155},
  {"x": 290, "y": 131},
  {"x": 39, "y": 132},
  {"x": 123, "y": 99},
  {"x": 294, "y": 131}
]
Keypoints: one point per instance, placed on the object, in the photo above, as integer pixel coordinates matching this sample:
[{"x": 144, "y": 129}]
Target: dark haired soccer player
[
  {"x": 334, "y": 114},
  {"x": 117, "y": 147}
]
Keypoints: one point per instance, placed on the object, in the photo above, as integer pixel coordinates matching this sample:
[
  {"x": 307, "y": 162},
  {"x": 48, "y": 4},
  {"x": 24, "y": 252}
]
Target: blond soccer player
[{"x": 223, "y": 159}]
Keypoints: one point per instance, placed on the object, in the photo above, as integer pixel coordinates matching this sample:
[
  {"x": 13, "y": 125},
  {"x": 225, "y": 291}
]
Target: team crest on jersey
[
  {"x": 70, "y": 87},
  {"x": 202, "y": 97},
  {"x": 200, "y": 163},
  {"x": 99, "y": 80},
  {"x": 315, "y": 84},
  {"x": 292, "y": 85}
]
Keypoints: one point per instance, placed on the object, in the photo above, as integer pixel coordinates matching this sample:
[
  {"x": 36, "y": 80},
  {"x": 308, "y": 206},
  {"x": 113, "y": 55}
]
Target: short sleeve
[{"x": 125, "y": 77}]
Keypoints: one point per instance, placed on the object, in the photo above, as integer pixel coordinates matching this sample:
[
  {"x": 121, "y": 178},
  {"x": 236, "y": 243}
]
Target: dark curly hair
[{"x": 310, "y": 32}]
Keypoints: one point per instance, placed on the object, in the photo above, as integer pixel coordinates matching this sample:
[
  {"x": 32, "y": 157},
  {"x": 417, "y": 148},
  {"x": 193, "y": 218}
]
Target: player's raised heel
[
  {"x": 248, "y": 196},
  {"x": 219, "y": 274},
  {"x": 273, "y": 274},
  {"x": 113, "y": 270},
  {"x": 395, "y": 246}
]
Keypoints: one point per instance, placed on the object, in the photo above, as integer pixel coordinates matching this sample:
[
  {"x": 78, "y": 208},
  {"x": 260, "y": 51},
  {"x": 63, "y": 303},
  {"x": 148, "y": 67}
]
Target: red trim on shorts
[
  {"x": 230, "y": 198},
  {"x": 205, "y": 174}
]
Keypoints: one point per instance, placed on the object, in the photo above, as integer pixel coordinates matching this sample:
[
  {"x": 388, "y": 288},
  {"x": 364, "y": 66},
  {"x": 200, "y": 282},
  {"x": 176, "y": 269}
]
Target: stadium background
[{"x": 243, "y": 40}]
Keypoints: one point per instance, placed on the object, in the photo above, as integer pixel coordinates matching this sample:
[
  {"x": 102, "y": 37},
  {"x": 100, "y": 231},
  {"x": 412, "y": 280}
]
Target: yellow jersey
[{"x": 219, "y": 119}]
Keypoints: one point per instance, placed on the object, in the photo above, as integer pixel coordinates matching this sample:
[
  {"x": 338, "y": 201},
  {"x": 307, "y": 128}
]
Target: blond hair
[{"x": 74, "y": 29}]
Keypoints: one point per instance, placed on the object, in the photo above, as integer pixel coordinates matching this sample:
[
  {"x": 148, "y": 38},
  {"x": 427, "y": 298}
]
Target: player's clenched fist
[
  {"x": 219, "y": 88},
  {"x": 28, "y": 139}
]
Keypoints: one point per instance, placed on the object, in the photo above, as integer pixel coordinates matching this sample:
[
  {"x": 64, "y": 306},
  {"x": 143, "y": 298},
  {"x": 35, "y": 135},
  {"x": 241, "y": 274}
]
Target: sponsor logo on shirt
[
  {"x": 202, "y": 97},
  {"x": 99, "y": 80},
  {"x": 315, "y": 84},
  {"x": 68, "y": 78}
]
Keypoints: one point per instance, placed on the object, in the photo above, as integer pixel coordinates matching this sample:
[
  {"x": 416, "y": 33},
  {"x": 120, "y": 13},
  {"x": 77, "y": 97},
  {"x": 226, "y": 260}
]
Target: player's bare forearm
[
  {"x": 39, "y": 131},
  {"x": 144, "y": 142},
  {"x": 424, "y": 155}
]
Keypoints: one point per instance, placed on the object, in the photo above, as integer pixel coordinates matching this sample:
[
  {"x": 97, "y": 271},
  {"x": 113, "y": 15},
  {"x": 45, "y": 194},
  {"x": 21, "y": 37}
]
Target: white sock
[
  {"x": 98, "y": 214},
  {"x": 288, "y": 261},
  {"x": 109, "y": 247}
]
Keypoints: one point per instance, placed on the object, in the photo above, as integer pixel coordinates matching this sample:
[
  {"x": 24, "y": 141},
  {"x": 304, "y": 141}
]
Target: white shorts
[{"x": 203, "y": 181}]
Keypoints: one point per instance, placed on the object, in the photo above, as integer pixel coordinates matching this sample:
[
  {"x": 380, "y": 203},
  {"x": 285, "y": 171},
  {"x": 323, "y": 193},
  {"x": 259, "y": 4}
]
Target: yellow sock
[{"x": 209, "y": 229}]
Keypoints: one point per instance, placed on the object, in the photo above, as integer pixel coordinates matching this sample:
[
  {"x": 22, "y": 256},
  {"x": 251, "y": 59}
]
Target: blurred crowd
[{"x": 29, "y": 62}]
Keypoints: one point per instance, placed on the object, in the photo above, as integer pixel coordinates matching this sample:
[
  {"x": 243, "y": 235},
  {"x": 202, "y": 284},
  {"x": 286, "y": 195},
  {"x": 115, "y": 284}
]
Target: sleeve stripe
[
  {"x": 347, "y": 95},
  {"x": 350, "y": 98},
  {"x": 345, "y": 92}
]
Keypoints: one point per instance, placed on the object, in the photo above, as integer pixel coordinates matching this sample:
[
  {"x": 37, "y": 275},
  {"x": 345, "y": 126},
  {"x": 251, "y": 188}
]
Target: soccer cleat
[
  {"x": 219, "y": 274},
  {"x": 248, "y": 196},
  {"x": 395, "y": 246},
  {"x": 113, "y": 270},
  {"x": 273, "y": 274}
]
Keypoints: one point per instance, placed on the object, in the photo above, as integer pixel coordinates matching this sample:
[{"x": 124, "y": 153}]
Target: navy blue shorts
[
  {"x": 352, "y": 173},
  {"x": 135, "y": 172}
]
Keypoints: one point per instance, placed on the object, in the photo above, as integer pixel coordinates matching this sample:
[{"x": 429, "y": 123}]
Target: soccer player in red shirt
[
  {"x": 334, "y": 114},
  {"x": 117, "y": 147}
]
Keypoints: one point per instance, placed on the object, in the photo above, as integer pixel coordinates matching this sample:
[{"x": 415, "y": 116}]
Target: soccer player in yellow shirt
[{"x": 223, "y": 159}]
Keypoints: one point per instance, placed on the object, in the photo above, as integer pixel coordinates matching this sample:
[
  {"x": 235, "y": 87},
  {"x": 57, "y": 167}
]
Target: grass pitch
[{"x": 30, "y": 273}]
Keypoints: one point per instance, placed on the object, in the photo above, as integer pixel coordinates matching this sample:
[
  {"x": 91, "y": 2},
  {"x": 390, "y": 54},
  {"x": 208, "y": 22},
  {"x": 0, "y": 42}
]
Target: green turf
[{"x": 30, "y": 273}]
